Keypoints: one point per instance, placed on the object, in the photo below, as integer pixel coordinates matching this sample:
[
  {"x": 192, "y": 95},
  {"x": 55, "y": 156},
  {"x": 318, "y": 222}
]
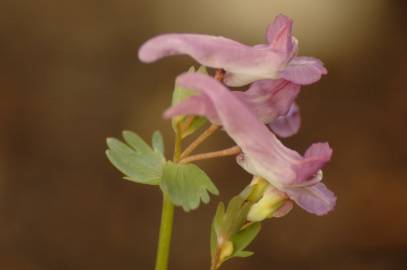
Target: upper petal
[
  {"x": 279, "y": 34},
  {"x": 244, "y": 64},
  {"x": 304, "y": 70},
  {"x": 211, "y": 51}
]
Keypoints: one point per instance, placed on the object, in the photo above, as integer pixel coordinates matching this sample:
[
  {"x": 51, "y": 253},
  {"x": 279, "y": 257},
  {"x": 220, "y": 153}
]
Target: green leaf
[
  {"x": 243, "y": 238},
  {"x": 187, "y": 185},
  {"x": 136, "y": 159},
  {"x": 158, "y": 142},
  {"x": 136, "y": 142},
  {"x": 180, "y": 94}
]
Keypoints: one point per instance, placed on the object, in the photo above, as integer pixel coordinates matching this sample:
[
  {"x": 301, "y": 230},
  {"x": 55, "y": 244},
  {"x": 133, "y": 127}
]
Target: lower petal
[
  {"x": 287, "y": 125},
  {"x": 316, "y": 199},
  {"x": 272, "y": 98}
]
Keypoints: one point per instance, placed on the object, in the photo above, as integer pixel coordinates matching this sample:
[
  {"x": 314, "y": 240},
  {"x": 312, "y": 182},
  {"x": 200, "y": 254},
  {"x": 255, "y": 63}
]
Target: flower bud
[
  {"x": 258, "y": 186},
  {"x": 271, "y": 202}
]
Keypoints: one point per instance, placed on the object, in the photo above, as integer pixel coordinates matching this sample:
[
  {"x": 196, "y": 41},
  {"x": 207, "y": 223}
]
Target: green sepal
[
  {"x": 186, "y": 185},
  {"x": 219, "y": 218},
  {"x": 213, "y": 242},
  {"x": 180, "y": 94},
  {"x": 216, "y": 227},
  {"x": 243, "y": 238},
  {"x": 136, "y": 159},
  {"x": 243, "y": 254},
  {"x": 235, "y": 216}
]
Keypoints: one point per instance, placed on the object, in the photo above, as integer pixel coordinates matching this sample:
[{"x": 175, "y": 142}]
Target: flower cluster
[{"x": 255, "y": 117}]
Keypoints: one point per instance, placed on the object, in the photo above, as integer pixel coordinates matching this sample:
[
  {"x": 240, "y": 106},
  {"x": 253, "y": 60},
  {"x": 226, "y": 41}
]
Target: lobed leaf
[
  {"x": 187, "y": 185},
  {"x": 136, "y": 142},
  {"x": 136, "y": 159}
]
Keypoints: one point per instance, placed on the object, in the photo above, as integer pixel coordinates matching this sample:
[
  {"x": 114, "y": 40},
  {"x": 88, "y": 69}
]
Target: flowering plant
[{"x": 254, "y": 119}]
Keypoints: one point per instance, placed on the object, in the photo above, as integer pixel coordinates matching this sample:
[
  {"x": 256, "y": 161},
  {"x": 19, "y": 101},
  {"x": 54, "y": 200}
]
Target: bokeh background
[{"x": 70, "y": 77}]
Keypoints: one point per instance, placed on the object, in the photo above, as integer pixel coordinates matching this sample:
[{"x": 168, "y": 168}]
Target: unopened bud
[
  {"x": 258, "y": 185},
  {"x": 271, "y": 201}
]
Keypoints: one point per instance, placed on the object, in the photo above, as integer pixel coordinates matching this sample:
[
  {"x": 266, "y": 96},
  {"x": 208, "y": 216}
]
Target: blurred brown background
[{"x": 70, "y": 77}]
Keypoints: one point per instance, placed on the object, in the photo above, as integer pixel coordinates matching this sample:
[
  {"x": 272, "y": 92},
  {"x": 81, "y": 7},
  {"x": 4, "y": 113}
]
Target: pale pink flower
[
  {"x": 243, "y": 64},
  {"x": 263, "y": 154}
]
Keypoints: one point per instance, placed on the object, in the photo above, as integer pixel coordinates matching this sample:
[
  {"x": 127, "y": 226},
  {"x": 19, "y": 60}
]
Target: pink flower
[
  {"x": 263, "y": 154},
  {"x": 243, "y": 64}
]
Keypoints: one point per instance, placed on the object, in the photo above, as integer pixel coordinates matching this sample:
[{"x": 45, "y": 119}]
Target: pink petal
[
  {"x": 243, "y": 64},
  {"x": 271, "y": 98},
  {"x": 279, "y": 34},
  {"x": 315, "y": 158},
  {"x": 287, "y": 125},
  {"x": 194, "y": 105},
  {"x": 316, "y": 199},
  {"x": 304, "y": 70},
  {"x": 216, "y": 52}
]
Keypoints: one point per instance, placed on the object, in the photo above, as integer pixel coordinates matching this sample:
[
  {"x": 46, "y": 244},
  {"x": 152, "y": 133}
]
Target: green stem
[
  {"x": 167, "y": 219},
  {"x": 215, "y": 262},
  {"x": 167, "y": 212},
  {"x": 177, "y": 147}
]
